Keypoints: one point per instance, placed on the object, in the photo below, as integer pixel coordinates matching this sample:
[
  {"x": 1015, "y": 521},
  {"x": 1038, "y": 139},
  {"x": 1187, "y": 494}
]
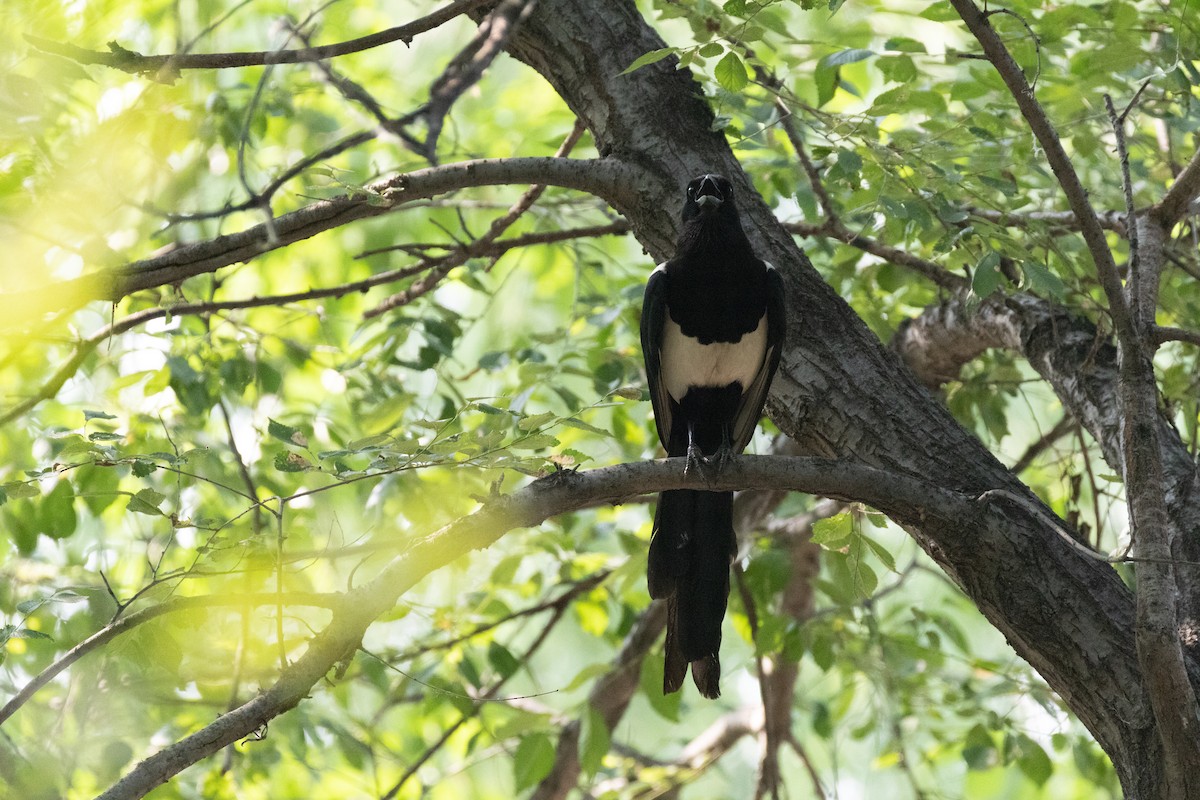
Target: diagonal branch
[
  {"x": 466, "y": 68},
  {"x": 1179, "y": 198},
  {"x": 1060, "y": 163},
  {"x": 902, "y": 496},
  {"x": 493, "y": 249},
  {"x": 128, "y": 623},
  {"x": 606, "y": 178},
  {"x": 169, "y": 65},
  {"x": 498, "y": 226},
  {"x": 834, "y": 228}
]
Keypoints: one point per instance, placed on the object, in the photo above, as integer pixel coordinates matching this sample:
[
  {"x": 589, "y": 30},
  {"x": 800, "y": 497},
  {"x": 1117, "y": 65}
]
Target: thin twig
[
  {"x": 462, "y": 254},
  {"x": 1056, "y": 156},
  {"x": 126, "y": 624},
  {"x": 833, "y": 227},
  {"x": 559, "y": 609},
  {"x": 165, "y": 65},
  {"x": 466, "y": 68},
  {"x": 1118, "y": 125}
]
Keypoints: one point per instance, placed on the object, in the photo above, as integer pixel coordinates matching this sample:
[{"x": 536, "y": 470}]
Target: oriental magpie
[{"x": 712, "y": 329}]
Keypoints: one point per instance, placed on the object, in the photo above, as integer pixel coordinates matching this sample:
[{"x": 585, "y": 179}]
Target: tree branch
[
  {"x": 902, "y": 496},
  {"x": 1179, "y": 198},
  {"x": 610, "y": 697},
  {"x": 834, "y": 228},
  {"x": 466, "y": 68},
  {"x": 493, "y": 249},
  {"x": 1060, "y": 163},
  {"x": 498, "y": 226},
  {"x": 126, "y": 624},
  {"x": 167, "y": 66},
  {"x": 605, "y": 178}
]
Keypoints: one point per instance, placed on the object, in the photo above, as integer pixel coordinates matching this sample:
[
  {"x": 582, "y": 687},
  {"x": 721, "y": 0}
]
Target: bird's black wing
[
  {"x": 750, "y": 409},
  {"x": 654, "y": 317}
]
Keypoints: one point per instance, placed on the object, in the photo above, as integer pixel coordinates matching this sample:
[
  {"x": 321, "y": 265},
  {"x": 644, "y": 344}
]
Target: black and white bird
[{"x": 712, "y": 329}]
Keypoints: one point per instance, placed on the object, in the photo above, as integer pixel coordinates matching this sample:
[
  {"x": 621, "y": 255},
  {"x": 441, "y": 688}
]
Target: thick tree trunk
[{"x": 839, "y": 392}]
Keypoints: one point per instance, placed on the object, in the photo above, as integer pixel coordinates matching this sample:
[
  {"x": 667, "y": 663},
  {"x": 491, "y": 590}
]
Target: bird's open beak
[{"x": 710, "y": 194}]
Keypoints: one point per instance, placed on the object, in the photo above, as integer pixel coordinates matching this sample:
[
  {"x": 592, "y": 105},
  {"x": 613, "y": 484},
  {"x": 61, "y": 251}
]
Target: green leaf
[
  {"x": 533, "y": 760},
  {"x": 843, "y": 57},
  {"x": 19, "y": 489},
  {"x": 979, "y": 751},
  {"x": 143, "y": 467},
  {"x": 648, "y": 58},
  {"x": 88, "y": 415},
  {"x": 832, "y": 531},
  {"x": 537, "y": 441},
  {"x": 286, "y": 433},
  {"x": 594, "y": 741},
  {"x": 535, "y": 421},
  {"x": 147, "y": 501},
  {"x": 29, "y": 633},
  {"x": 904, "y": 44},
  {"x": 291, "y": 462},
  {"x": 572, "y": 422},
  {"x": 585, "y": 675},
  {"x": 502, "y": 660},
  {"x": 826, "y": 73},
  {"x": 56, "y": 512},
  {"x": 986, "y": 277},
  {"x": 29, "y": 606},
  {"x": 1044, "y": 282},
  {"x": 489, "y": 409},
  {"x": 730, "y": 72},
  {"x": 651, "y": 683},
  {"x": 881, "y": 552},
  {"x": 191, "y": 387},
  {"x": 1032, "y": 760}
]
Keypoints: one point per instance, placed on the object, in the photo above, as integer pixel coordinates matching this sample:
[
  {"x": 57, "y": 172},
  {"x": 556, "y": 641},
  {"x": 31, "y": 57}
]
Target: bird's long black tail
[{"x": 690, "y": 552}]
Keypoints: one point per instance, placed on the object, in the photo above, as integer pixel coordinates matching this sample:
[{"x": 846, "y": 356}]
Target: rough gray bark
[{"x": 839, "y": 392}]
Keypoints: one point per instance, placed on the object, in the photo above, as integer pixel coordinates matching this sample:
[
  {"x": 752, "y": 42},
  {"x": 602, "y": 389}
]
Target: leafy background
[{"x": 295, "y": 447}]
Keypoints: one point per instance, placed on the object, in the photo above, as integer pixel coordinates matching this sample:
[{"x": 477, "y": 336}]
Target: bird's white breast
[{"x": 687, "y": 363}]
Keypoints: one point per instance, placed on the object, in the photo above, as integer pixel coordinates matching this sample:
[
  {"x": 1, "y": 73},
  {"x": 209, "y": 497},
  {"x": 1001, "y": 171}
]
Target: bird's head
[{"x": 708, "y": 196}]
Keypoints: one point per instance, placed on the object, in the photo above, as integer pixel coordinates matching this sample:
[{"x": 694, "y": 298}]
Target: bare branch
[
  {"x": 1179, "y": 199},
  {"x": 610, "y": 697},
  {"x": 494, "y": 249},
  {"x": 1118, "y": 126},
  {"x": 810, "y": 169},
  {"x": 558, "y": 609},
  {"x": 466, "y": 68},
  {"x": 1064, "y": 220},
  {"x": 165, "y": 67},
  {"x": 1166, "y": 333}
]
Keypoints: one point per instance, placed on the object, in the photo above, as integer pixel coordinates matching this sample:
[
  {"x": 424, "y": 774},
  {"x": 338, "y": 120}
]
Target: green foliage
[{"x": 294, "y": 447}]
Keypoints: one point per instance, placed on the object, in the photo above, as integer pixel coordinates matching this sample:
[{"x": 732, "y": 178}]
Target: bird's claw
[
  {"x": 695, "y": 457},
  {"x": 720, "y": 459}
]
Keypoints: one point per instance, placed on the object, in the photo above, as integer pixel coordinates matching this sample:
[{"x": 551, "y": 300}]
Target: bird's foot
[
  {"x": 720, "y": 459},
  {"x": 695, "y": 457}
]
